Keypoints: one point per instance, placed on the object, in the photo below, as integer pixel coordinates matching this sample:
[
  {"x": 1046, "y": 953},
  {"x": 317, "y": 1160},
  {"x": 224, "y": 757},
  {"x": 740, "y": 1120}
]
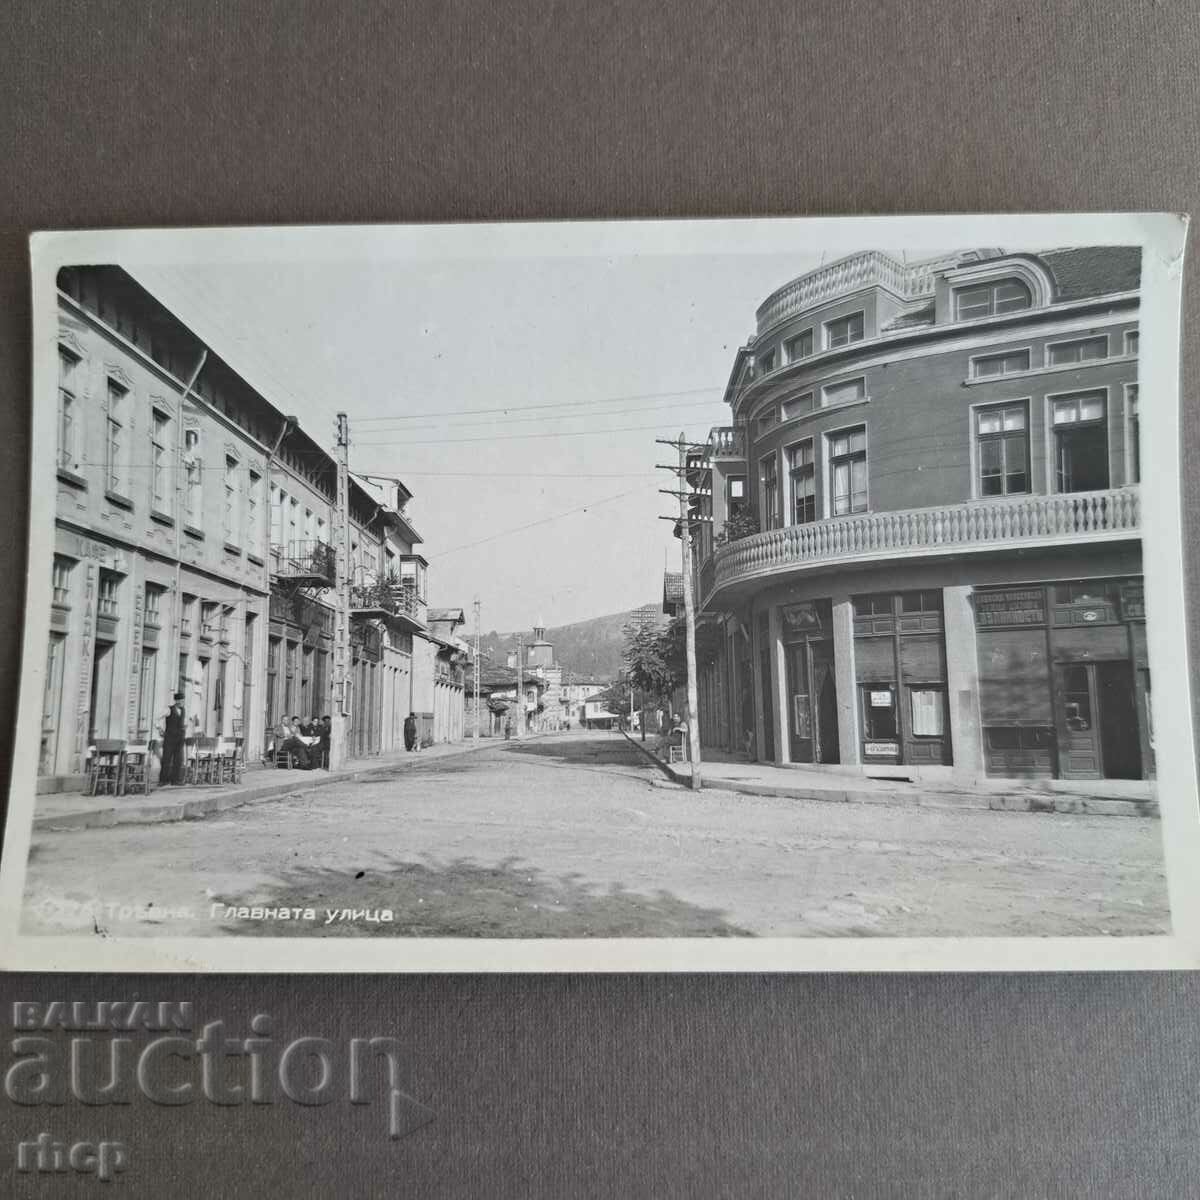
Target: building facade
[
  {"x": 193, "y": 549},
  {"x": 924, "y": 554}
]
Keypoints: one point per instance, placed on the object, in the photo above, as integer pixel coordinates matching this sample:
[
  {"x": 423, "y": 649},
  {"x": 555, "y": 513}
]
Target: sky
[{"x": 506, "y": 393}]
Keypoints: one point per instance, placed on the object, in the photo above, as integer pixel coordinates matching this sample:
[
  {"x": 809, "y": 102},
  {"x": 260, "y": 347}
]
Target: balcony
[
  {"x": 409, "y": 610},
  {"x": 727, "y": 441},
  {"x": 1028, "y": 522},
  {"x": 308, "y": 563},
  {"x": 371, "y": 601}
]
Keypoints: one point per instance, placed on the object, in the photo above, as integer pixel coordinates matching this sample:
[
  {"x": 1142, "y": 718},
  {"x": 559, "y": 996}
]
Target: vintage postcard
[{"x": 658, "y": 596}]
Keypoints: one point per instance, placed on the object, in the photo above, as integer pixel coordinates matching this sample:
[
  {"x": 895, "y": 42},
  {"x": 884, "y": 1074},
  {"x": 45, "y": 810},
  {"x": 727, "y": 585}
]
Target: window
[
  {"x": 1076, "y": 699},
  {"x": 801, "y": 346},
  {"x": 153, "y": 616},
  {"x": 991, "y": 299},
  {"x": 321, "y": 530},
  {"x": 1133, "y": 436},
  {"x": 1008, "y": 363},
  {"x": 797, "y": 406},
  {"x": 115, "y": 457},
  {"x": 928, "y": 712},
  {"x": 252, "y": 504},
  {"x": 844, "y": 393},
  {"x": 68, "y": 368},
  {"x": 768, "y": 418},
  {"x": 1131, "y": 341},
  {"x": 802, "y": 473},
  {"x": 1002, "y": 437},
  {"x": 60, "y": 582},
  {"x": 879, "y": 712},
  {"x": 766, "y": 362},
  {"x": 230, "y": 527},
  {"x": 911, "y": 603},
  {"x": 194, "y": 478},
  {"x": 160, "y": 460},
  {"x": 186, "y": 609},
  {"x": 107, "y": 603},
  {"x": 277, "y": 498},
  {"x": 1080, "y": 442},
  {"x": 873, "y": 606},
  {"x": 293, "y": 530},
  {"x": 848, "y": 470},
  {"x": 737, "y": 495},
  {"x": 843, "y": 331},
  {"x": 308, "y": 524},
  {"x": 147, "y": 671},
  {"x": 769, "y": 471},
  {"x": 208, "y": 620},
  {"x": 1084, "y": 350}
]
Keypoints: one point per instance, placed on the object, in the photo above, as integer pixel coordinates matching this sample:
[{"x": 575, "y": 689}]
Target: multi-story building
[
  {"x": 924, "y": 553},
  {"x": 192, "y": 546}
]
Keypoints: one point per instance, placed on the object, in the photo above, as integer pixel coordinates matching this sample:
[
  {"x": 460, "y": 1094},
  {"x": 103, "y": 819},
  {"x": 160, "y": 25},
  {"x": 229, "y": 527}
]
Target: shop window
[
  {"x": 1002, "y": 441},
  {"x": 848, "y": 471},
  {"x": 1076, "y": 699},
  {"x": 802, "y": 477},
  {"x": 879, "y": 712},
  {"x": 843, "y": 331},
  {"x": 1080, "y": 442},
  {"x": 874, "y": 614},
  {"x": 928, "y": 709},
  {"x": 1079, "y": 351},
  {"x": 1020, "y": 737},
  {"x": 801, "y": 346},
  {"x": 991, "y": 299},
  {"x": 1011, "y": 362}
]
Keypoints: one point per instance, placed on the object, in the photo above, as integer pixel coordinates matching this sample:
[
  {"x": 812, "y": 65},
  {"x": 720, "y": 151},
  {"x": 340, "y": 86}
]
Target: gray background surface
[{"x": 155, "y": 114}]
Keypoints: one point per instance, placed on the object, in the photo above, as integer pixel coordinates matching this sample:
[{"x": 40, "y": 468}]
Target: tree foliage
[{"x": 649, "y": 661}]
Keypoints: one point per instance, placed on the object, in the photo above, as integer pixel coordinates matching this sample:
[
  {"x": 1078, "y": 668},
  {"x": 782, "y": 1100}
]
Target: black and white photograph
[{"x": 724, "y": 595}]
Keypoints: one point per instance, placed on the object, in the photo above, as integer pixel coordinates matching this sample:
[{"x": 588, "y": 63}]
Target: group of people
[{"x": 306, "y": 741}]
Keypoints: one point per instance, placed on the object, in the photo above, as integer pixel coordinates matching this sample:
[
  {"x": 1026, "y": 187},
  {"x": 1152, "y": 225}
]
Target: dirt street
[{"x": 575, "y": 835}]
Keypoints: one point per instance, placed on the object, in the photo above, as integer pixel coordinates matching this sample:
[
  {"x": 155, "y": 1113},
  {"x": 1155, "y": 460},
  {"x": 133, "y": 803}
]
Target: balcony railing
[
  {"x": 311, "y": 561},
  {"x": 372, "y": 598},
  {"x": 727, "y": 441},
  {"x": 408, "y": 603},
  {"x": 870, "y": 268},
  {"x": 978, "y": 525}
]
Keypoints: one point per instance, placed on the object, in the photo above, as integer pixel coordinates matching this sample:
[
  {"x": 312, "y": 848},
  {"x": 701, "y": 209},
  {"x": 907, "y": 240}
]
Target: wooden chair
[
  {"x": 206, "y": 760},
  {"x": 106, "y": 768},
  {"x": 230, "y": 761},
  {"x": 137, "y": 768}
]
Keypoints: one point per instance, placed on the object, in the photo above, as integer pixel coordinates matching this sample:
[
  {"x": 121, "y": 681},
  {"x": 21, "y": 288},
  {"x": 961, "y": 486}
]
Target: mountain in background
[{"x": 589, "y": 648}]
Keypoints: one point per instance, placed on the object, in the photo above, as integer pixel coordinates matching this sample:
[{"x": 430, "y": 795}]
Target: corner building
[{"x": 924, "y": 557}]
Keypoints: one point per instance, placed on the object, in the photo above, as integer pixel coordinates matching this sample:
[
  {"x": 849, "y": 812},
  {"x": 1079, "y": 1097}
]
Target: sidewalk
[
  {"x": 74, "y": 810},
  {"x": 1093, "y": 797}
]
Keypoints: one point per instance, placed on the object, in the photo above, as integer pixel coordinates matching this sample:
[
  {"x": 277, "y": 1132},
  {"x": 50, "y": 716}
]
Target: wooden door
[{"x": 1075, "y": 719}]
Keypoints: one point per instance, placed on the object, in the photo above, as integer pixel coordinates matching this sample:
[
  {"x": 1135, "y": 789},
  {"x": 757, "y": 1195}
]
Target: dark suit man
[{"x": 174, "y": 728}]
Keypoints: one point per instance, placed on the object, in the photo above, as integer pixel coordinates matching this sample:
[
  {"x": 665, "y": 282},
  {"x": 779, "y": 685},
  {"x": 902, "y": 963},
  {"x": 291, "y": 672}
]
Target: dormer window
[
  {"x": 991, "y": 299},
  {"x": 843, "y": 331}
]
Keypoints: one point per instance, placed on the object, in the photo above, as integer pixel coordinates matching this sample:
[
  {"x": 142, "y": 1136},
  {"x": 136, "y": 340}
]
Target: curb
[
  {"x": 219, "y": 802},
  {"x": 1027, "y": 802}
]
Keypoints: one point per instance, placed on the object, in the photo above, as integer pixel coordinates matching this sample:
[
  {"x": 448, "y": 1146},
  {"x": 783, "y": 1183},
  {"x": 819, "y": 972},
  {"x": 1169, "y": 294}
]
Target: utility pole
[
  {"x": 477, "y": 668},
  {"x": 689, "y": 606},
  {"x": 520, "y": 685},
  {"x": 341, "y": 626}
]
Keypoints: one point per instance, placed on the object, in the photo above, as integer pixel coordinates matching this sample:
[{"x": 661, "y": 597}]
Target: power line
[
  {"x": 533, "y": 524},
  {"x": 462, "y": 412},
  {"x": 514, "y": 437}
]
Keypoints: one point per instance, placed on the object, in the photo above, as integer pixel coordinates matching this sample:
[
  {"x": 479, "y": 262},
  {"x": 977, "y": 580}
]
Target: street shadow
[
  {"x": 579, "y": 751},
  {"x": 464, "y": 898}
]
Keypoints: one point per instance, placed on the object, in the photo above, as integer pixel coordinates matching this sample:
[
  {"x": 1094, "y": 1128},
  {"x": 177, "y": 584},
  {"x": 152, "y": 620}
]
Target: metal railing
[
  {"x": 974, "y": 525},
  {"x": 307, "y": 559}
]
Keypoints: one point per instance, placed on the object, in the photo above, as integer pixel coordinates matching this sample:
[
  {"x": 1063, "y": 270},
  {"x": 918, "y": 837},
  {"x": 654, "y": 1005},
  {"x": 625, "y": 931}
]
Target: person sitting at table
[{"x": 289, "y": 742}]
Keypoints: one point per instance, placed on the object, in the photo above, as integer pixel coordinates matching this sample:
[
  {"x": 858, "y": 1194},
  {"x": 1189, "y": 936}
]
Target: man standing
[
  {"x": 171, "y": 770},
  {"x": 410, "y": 731},
  {"x": 325, "y": 732}
]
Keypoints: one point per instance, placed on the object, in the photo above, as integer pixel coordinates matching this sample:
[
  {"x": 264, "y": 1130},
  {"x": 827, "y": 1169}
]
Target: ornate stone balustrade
[
  {"x": 978, "y": 525},
  {"x": 727, "y": 441},
  {"x": 910, "y": 281}
]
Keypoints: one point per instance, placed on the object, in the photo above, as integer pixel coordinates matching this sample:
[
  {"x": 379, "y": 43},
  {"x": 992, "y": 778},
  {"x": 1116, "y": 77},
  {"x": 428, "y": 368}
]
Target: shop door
[
  {"x": 1078, "y": 741},
  {"x": 102, "y": 691},
  {"x": 768, "y": 709},
  {"x": 1120, "y": 744},
  {"x": 828, "y": 744},
  {"x": 802, "y": 717}
]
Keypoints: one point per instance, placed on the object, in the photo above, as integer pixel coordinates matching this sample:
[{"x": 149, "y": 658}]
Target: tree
[
  {"x": 648, "y": 659},
  {"x": 739, "y": 526}
]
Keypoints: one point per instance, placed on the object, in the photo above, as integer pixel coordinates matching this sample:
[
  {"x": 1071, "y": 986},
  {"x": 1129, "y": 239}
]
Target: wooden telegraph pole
[
  {"x": 520, "y": 685},
  {"x": 689, "y": 604},
  {"x": 341, "y": 627},
  {"x": 477, "y": 668}
]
